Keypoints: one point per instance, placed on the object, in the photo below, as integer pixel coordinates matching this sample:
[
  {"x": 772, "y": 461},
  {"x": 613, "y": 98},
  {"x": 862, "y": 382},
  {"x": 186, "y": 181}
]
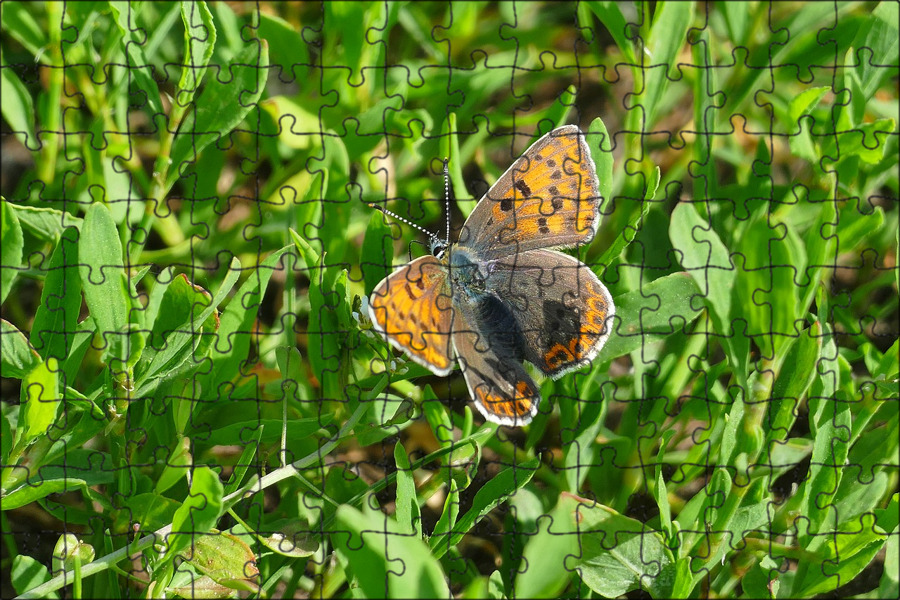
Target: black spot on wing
[{"x": 523, "y": 187}]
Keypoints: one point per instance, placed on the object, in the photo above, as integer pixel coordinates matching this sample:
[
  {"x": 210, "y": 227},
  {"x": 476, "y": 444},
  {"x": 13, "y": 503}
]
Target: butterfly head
[{"x": 438, "y": 247}]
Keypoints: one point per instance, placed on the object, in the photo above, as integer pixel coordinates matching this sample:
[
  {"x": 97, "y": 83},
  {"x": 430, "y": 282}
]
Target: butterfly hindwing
[
  {"x": 562, "y": 310},
  {"x": 487, "y": 348}
]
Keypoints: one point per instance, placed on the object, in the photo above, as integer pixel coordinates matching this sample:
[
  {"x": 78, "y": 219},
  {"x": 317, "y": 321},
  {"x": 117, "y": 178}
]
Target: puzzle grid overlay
[{"x": 194, "y": 399}]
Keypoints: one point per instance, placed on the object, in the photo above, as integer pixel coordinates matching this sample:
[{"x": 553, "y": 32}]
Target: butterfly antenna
[
  {"x": 434, "y": 239},
  {"x": 447, "y": 196}
]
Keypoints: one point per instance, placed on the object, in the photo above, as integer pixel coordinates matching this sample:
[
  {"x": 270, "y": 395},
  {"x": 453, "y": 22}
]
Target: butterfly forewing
[
  {"x": 548, "y": 198},
  {"x": 412, "y": 308}
]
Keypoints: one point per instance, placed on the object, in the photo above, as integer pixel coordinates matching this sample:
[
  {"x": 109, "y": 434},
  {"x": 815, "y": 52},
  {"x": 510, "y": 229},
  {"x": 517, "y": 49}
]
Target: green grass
[{"x": 190, "y": 377}]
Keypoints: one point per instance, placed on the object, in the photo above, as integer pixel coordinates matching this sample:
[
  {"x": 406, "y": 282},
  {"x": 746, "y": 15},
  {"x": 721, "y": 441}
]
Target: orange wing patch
[
  {"x": 411, "y": 307},
  {"x": 519, "y": 408},
  {"x": 593, "y": 329},
  {"x": 548, "y": 198}
]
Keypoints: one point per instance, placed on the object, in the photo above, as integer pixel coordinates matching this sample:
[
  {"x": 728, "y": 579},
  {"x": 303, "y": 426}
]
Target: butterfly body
[
  {"x": 467, "y": 276},
  {"x": 502, "y": 294}
]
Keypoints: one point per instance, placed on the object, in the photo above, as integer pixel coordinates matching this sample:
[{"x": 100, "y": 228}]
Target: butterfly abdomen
[{"x": 498, "y": 327}]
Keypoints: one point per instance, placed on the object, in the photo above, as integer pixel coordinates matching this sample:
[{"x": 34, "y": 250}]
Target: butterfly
[{"x": 502, "y": 293}]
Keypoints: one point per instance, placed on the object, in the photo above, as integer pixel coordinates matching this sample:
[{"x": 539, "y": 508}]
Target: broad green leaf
[
  {"x": 544, "y": 559},
  {"x": 668, "y": 35},
  {"x": 451, "y": 151},
  {"x": 226, "y": 559},
  {"x": 177, "y": 465},
  {"x": 890, "y": 580},
  {"x": 151, "y": 510},
  {"x": 855, "y": 550},
  {"x": 21, "y": 26},
  {"x": 28, "y": 493},
  {"x": 183, "y": 330},
  {"x": 440, "y": 540},
  {"x": 18, "y": 357},
  {"x": 876, "y": 45},
  {"x": 377, "y": 253},
  {"x": 324, "y": 333},
  {"x": 175, "y": 352},
  {"x": 221, "y": 107},
  {"x": 830, "y": 425},
  {"x": 47, "y": 224},
  {"x": 701, "y": 510},
  {"x": 801, "y": 140},
  {"x": 762, "y": 580},
  {"x": 199, "y": 513},
  {"x": 179, "y": 307},
  {"x": 298, "y": 128},
  {"x": 309, "y": 254},
  {"x": 11, "y": 244},
  {"x": 28, "y": 573},
  {"x": 796, "y": 374},
  {"x": 81, "y": 465},
  {"x": 889, "y": 365},
  {"x": 244, "y": 431},
  {"x": 658, "y": 310},
  {"x": 661, "y": 492},
  {"x": 630, "y": 231},
  {"x": 706, "y": 258},
  {"x": 582, "y": 451},
  {"x": 558, "y": 112},
  {"x": 287, "y": 47},
  {"x": 869, "y": 141},
  {"x": 6, "y": 440},
  {"x": 42, "y": 395},
  {"x": 56, "y": 318},
  {"x": 724, "y": 521},
  {"x": 407, "y": 511},
  {"x": 737, "y": 20},
  {"x": 821, "y": 250},
  {"x": 349, "y": 46},
  {"x": 601, "y": 144},
  {"x": 374, "y": 545},
  {"x": 236, "y": 324},
  {"x": 804, "y": 102},
  {"x": 610, "y": 14},
  {"x": 138, "y": 67},
  {"x": 439, "y": 420},
  {"x": 199, "y": 43},
  {"x": 17, "y": 107},
  {"x": 201, "y": 586},
  {"x": 251, "y": 447},
  {"x": 706, "y": 102},
  {"x": 764, "y": 289},
  {"x": 126, "y": 348},
  {"x": 290, "y": 537},
  {"x": 103, "y": 273},
  {"x": 619, "y": 554},
  {"x": 295, "y": 385}
]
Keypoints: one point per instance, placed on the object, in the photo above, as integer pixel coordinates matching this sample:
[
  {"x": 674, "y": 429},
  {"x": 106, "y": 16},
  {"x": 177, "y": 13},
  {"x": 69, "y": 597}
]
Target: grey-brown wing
[
  {"x": 562, "y": 310},
  {"x": 488, "y": 351}
]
